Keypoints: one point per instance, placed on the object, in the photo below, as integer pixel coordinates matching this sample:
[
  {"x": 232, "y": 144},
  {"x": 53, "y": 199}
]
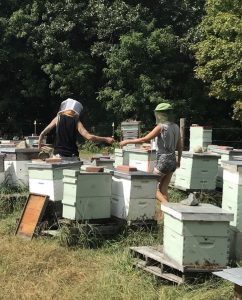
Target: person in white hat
[
  {"x": 168, "y": 140},
  {"x": 67, "y": 126}
]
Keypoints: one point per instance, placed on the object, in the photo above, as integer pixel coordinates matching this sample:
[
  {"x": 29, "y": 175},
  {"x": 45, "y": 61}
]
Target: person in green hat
[{"x": 168, "y": 140}]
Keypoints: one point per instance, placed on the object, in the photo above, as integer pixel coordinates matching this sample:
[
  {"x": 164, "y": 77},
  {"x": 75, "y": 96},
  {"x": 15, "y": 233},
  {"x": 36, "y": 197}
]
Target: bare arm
[
  {"x": 91, "y": 137},
  {"x": 151, "y": 135},
  {"x": 46, "y": 130},
  {"x": 179, "y": 150}
]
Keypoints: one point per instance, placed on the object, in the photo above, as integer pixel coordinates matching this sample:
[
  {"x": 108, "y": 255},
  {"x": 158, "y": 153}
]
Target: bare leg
[{"x": 162, "y": 191}]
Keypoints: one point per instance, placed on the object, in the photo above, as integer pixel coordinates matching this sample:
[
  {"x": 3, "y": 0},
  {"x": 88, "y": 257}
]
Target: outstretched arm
[
  {"x": 151, "y": 135},
  {"x": 91, "y": 137},
  {"x": 46, "y": 130}
]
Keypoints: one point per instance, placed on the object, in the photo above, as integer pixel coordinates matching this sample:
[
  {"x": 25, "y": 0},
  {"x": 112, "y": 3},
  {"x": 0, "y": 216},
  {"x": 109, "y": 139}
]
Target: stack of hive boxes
[
  {"x": 196, "y": 236},
  {"x": 133, "y": 195},
  {"x": 130, "y": 130},
  {"x": 47, "y": 178},
  {"x": 198, "y": 171},
  {"x": 200, "y": 136},
  {"x": 232, "y": 201},
  {"x": 87, "y": 195}
]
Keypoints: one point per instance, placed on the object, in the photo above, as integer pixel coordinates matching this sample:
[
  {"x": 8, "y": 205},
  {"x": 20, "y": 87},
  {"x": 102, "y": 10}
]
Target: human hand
[
  {"x": 123, "y": 143},
  {"x": 109, "y": 140}
]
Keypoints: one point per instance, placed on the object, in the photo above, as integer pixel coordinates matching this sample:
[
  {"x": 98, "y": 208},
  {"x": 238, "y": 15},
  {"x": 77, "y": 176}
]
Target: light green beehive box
[
  {"x": 198, "y": 171},
  {"x": 121, "y": 157},
  {"x": 86, "y": 195},
  {"x": 196, "y": 235}
]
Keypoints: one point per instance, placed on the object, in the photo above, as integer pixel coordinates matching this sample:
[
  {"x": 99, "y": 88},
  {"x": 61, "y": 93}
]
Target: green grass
[{"x": 75, "y": 266}]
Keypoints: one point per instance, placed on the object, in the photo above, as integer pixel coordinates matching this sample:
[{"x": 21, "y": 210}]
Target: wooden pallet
[{"x": 154, "y": 261}]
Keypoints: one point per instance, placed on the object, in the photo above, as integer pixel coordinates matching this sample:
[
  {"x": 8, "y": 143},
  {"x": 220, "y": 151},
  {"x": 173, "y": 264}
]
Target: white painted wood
[
  {"x": 16, "y": 172},
  {"x": 52, "y": 188},
  {"x": 133, "y": 198},
  {"x": 231, "y": 176}
]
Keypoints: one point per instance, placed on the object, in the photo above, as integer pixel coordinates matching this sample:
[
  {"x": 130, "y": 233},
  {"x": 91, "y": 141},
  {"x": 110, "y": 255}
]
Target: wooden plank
[
  {"x": 31, "y": 216},
  {"x": 158, "y": 272},
  {"x": 158, "y": 256}
]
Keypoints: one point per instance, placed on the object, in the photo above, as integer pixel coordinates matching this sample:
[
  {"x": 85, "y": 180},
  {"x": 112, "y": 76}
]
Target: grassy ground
[{"x": 45, "y": 269}]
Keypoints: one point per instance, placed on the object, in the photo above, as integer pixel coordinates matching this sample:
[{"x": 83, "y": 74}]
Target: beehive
[
  {"x": 121, "y": 157},
  {"x": 226, "y": 154},
  {"x": 196, "y": 235},
  {"x": 104, "y": 162},
  {"x": 86, "y": 196},
  {"x": 200, "y": 136},
  {"x": 47, "y": 178},
  {"x": 133, "y": 195},
  {"x": 130, "y": 129},
  {"x": 198, "y": 171},
  {"x": 232, "y": 191},
  {"x": 142, "y": 159},
  {"x": 15, "y": 164}
]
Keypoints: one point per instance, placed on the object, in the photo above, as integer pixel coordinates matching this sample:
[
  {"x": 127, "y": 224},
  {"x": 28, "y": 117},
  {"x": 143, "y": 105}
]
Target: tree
[{"x": 218, "y": 51}]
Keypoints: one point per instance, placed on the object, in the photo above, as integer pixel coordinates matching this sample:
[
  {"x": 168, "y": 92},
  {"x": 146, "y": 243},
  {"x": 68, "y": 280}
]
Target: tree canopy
[
  {"x": 119, "y": 58},
  {"x": 218, "y": 51}
]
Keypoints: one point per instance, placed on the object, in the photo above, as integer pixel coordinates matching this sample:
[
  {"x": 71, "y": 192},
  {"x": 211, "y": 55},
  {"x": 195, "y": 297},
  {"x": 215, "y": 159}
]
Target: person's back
[
  {"x": 66, "y": 134},
  {"x": 167, "y": 140}
]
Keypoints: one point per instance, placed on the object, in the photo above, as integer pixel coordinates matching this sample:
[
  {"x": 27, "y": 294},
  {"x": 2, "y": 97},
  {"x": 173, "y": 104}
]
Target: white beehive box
[
  {"x": 196, "y": 235},
  {"x": 133, "y": 195},
  {"x": 226, "y": 154},
  {"x": 232, "y": 191},
  {"x": 142, "y": 159},
  {"x": 198, "y": 171},
  {"x": 200, "y": 136},
  {"x": 15, "y": 164},
  {"x": 87, "y": 195},
  {"x": 47, "y": 178}
]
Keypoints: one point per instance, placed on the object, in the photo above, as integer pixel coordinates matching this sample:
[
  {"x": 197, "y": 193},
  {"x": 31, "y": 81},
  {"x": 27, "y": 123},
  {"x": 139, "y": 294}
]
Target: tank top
[
  {"x": 167, "y": 140},
  {"x": 66, "y": 133}
]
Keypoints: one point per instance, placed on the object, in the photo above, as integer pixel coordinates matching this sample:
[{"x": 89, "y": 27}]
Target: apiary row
[{"x": 95, "y": 195}]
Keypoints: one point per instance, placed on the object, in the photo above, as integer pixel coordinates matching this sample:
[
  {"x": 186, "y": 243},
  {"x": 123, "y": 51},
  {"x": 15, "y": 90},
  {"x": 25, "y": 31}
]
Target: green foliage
[
  {"x": 91, "y": 146},
  {"x": 218, "y": 51},
  {"x": 140, "y": 72}
]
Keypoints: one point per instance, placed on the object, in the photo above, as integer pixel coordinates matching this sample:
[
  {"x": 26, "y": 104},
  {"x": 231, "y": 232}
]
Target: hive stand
[
  {"x": 156, "y": 262},
  {"x": 196, "y": 240}
]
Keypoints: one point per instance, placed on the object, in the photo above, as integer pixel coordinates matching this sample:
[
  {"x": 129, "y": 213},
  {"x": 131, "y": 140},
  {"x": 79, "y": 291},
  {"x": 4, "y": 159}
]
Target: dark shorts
[{"x": 165, "y": 163}]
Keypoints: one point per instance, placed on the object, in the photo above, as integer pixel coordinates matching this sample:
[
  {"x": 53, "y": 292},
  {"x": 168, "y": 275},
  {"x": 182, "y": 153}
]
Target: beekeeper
[
  {"x": 168, "y": 138},
  {"x": 67, "y": 126}
]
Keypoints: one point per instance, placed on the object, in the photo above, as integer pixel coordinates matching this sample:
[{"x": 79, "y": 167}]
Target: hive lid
[
  {"x": 135, "y": 174},
  {"x": 203, "y": 154},
  {"x": 232, "y": 165},
  {"x": 202, "y": 212},
  {"x": 233, "y": 275},
  {"x": 44, "y": 165}
]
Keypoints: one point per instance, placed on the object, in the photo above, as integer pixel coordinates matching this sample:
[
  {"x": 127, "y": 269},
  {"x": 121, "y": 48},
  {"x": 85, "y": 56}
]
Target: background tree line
[{"x": 120, "y": 59}]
